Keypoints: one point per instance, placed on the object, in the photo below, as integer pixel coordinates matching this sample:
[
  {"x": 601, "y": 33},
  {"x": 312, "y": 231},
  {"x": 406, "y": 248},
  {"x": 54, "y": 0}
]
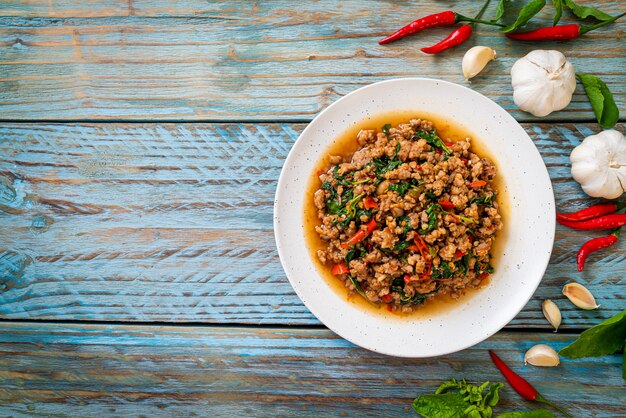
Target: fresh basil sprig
[
  {"x": 529, "y": 10},
  {"x": 601, "y": 100},
  {"x": 584, "y": 12}
]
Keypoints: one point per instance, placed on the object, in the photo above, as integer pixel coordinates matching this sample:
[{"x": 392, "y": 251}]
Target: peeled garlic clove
[
  {"x": 542, "y": 355},
  {"x": 475, "y": 59},
  {"x": 552, "y": 313},
  {"x": 580, "y": 296}
]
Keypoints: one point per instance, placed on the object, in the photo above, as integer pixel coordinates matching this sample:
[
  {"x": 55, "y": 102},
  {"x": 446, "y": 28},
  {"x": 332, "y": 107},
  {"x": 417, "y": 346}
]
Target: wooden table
[{"x": 140, "y": 145}]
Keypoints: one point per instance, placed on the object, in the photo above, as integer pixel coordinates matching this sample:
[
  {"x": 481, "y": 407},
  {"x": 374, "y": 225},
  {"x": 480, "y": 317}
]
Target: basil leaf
[
  {"x": 492, "y": 397},
  {"x": 584, "y": 12},
  {"x": 605, "y": 338},
  {"x": 500, "y": 9},
  {"x": 537, "y": 413},
  {"x": 601, "y": 100},
  {"x": 558, "y": 5},
  {"x": 446, "y": 405},
  {"x": 528, "y": 11}
]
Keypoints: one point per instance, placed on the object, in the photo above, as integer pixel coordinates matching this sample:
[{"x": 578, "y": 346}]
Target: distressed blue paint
[
  {"x": 272, "y": 371},
  {"x": 229, "y": 61}
]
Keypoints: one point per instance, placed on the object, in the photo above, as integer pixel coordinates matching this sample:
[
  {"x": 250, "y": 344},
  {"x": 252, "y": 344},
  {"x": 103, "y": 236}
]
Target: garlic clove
[
  {"x": 542, "y": 355},
  {"x": 552, "y": 313},
  {"x": 475, "y": 59},
  {"x": 580, "y": 296}
]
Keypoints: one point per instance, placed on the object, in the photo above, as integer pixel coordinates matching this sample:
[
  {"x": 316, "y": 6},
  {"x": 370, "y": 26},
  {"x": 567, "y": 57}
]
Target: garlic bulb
[
  {"x": 475, "y": 59},
  {"x": 542, "y": 355},
  {"x": 543, "y": 81},
  {"x": 580, "y": 296},
  {"x": 552, "y": 313},
  {"x": 599, "y": 164}
]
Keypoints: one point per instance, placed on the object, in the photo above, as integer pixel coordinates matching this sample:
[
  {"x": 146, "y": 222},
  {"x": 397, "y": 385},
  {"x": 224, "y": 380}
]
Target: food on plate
[{"x": 407, "y": 216}]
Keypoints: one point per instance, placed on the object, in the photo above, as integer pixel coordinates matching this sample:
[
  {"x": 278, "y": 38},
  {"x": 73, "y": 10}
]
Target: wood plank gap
[{"x": 535, "y": 330}]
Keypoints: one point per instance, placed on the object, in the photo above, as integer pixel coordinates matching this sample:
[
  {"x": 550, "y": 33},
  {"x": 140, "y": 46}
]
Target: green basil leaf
[
  {"x": 584, "y": 12},
  {"x": 446, "y": 405},
  {"x": 601, "y": 100},
  {"x": 492, "y": 397},
  {"x": 537, "y": 413},
  {"x": 605, "y": 338},
  {"x": 528, "y": 11},
  {"x": 500, "y": 9},
  {"x": 558, "y": 5}
]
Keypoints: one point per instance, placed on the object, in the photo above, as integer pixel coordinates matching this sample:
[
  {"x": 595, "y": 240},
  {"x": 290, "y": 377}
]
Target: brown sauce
[{"x": 345, "y": 144}]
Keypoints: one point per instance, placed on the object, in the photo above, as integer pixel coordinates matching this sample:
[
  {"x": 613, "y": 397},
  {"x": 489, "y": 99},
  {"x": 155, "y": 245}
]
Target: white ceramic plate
[{"x": 526, "y": 250}]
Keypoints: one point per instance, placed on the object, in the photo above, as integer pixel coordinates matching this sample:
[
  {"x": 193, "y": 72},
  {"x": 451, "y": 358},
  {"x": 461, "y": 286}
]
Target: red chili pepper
[
  {"x": 520, "y": 385},
  {"x": 595, "y": 245},
  {"x": 370, "y": 203},
  {"x": 446, "y": 204},
  {"x": 603, "y": 222},
  {"x": 407, "y": 278},
  {"x": 589, "y": 213},
  {"x": 446, "y": 18},
  {"x": 340, "y": 268},
  {"x": 459, "y": 254},
  {"x": 361, "y": 234},
  {"x": 457, "y": 37},
  {"x": 477, "y": 183},
  {"x": 560, "y": 32},
  {"x": 483, "y": 276},
  {"x": 387, "y": 298}
]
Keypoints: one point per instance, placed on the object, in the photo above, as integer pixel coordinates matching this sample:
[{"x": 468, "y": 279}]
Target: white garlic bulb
[
  {"x": 543, "y": 81},
  {"x": 599, "y": 164}
]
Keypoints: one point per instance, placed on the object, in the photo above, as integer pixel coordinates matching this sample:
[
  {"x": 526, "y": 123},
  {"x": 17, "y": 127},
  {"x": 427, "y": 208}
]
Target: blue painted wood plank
[
  {"x": 199, "y": 60},
  {"x": 164, "y": 222},
  {"x": 89, "y": 370}
]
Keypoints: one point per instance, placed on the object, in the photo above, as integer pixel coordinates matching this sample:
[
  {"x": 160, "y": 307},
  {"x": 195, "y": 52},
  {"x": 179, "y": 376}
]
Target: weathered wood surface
[
  {"x": 90, "y": 370},
  {"x": 238, "y": 60},
  {"x": 164, "y": 222}
]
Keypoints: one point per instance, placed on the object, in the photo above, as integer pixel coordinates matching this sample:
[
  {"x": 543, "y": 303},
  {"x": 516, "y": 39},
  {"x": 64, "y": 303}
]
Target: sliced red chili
[
  {"x": 387, "y": 298},
  {"x": 476, "y": 184},
  {"x": 446, "y": 204},
  {"x": 459, "y": 254},
  {"x": 407, "y": 278},
  {"x": 483, "y": 276},
  {"x": 361, "y": 234},
  {"x": 340, "y": 268},
  {"x": 370, "y": 203}
]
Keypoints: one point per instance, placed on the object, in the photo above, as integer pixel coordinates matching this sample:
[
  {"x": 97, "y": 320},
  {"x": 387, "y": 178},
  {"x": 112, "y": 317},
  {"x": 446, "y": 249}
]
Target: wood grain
[
  {"x": 233, "y": 60},
  {"x": 173, "y": 223},
  {"x": 89, "y": 370}
]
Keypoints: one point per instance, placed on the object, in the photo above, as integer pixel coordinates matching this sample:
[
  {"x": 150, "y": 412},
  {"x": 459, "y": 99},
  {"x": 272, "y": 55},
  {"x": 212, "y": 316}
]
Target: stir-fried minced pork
[{"x": 408, "y": 216}]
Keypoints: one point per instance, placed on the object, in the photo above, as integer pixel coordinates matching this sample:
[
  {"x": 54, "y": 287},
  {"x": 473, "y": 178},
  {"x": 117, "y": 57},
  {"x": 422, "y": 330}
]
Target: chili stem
[
  {"x": 541, "y": 399},
  {"x": 462, "y": 18},
  {"x": 481, "y": 12},
  {"x": 585, "y": 29}
]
